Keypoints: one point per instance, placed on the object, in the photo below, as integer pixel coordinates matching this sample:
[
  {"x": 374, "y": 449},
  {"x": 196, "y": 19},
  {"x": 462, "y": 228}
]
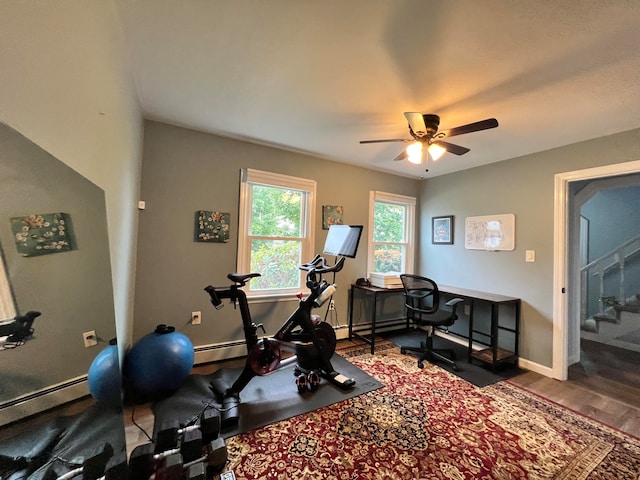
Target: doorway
[
  {"x": 566, "y": 334},
  {"x": 604, "y": 254}
]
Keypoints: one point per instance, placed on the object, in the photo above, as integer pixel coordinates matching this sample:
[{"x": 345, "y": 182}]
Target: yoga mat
[{"x": 264, "y": 400}]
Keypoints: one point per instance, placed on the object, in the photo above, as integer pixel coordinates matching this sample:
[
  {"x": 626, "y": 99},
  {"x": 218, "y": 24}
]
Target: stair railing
[{"x": 616, "y": 258}]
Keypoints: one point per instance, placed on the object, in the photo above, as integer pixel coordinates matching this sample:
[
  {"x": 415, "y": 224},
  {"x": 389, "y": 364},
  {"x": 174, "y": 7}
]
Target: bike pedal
[
  {"x": 313, "y": 380},
  {"x": 301, "y": 382}
]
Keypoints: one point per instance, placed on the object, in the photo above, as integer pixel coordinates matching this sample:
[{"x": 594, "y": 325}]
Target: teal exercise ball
[
  {"x": 159, "y": 362},
  {"x": 105, "y": 381}
]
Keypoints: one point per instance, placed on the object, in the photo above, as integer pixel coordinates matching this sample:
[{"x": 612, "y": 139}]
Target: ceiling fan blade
[
  {"x": 452, "y": 148},
  {"x": 388, "y": 140},
  {"x": 472, "y": 127},
  {"x": 402, "y": 156},
  {"x": 416, "y": 122}
]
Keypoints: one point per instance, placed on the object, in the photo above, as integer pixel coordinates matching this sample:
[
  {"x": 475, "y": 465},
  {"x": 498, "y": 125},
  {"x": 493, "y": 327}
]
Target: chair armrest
[{"x": 453, "y": 303}]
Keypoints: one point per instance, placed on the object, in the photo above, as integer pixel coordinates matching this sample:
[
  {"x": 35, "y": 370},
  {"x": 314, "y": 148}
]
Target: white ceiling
[{"x": 319, "y": 76}]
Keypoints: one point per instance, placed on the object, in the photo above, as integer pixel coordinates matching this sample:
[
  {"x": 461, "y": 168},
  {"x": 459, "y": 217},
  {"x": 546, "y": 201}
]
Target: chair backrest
[{"x": 421, "y": 295}]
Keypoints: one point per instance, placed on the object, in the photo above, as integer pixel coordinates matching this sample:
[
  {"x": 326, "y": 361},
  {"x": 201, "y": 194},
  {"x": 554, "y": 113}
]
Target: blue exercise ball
[
  {"x": 105, "y": 382},
  {"x": 159, "y": 362}
]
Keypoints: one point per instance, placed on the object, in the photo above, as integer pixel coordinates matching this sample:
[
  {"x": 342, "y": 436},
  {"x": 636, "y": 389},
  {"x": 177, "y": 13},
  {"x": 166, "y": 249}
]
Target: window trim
[
  {"x": 249, "y": 177},
  {"x": 410, "y": 227}
]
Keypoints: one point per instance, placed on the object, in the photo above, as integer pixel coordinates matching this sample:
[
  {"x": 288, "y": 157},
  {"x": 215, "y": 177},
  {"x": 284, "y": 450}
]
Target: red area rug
[{"x": 430, "y": 424}]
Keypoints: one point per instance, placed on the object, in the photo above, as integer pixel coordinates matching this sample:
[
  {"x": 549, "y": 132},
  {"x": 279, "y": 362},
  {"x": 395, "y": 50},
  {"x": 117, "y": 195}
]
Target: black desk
[
  {"x": 492, "y": 355},
  {"x": 374, "y": 292}
]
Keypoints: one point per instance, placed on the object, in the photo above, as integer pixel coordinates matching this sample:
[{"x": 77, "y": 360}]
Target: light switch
[{"x": 530, "y": 256}]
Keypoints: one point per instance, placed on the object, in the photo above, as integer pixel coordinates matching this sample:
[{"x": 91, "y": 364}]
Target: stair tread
[
  {"x": 628, "y": 308},
  {"x": 606, "y": 318}
]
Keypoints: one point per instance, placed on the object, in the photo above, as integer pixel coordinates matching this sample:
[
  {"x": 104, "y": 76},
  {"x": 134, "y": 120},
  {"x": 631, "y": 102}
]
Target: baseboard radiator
[
  {"x": 42, "y": 400},
  {"x": 224, "y": 351}
]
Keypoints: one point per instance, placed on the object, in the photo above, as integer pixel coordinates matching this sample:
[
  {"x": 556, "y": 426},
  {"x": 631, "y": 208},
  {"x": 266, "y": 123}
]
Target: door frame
[{"x": 561, "y": 324}]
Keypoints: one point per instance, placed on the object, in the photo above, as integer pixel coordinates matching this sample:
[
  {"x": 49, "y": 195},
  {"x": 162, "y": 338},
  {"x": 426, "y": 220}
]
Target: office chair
[{"x": 422, "y": 301}]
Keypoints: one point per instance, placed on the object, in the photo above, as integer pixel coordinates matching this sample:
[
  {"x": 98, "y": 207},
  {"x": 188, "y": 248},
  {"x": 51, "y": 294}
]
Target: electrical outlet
[
  {"x": 332, "y": 306},
  {"x": 196, "y": 318},
  {"x": 90, "y": 339}
]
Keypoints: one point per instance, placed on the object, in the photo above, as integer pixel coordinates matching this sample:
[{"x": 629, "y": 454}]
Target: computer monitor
[{"x": 342, "y": 240}]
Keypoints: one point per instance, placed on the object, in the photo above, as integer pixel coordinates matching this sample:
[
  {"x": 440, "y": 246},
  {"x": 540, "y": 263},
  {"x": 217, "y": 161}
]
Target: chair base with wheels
[
  {"x": 422, "y": 301},
  {"x": 431, "y": 354}
]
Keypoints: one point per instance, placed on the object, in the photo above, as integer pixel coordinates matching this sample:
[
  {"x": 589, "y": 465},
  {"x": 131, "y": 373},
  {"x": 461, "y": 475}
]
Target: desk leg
[
  {"x": 470, "y": 349},
  {"x": 350, "y": 313},
  {"x": 373, "y": 322},
  {"x": 494, "y": 335}
]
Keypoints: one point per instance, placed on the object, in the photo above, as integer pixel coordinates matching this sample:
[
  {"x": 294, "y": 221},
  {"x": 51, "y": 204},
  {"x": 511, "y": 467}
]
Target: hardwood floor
[
  {"x": 579, "y": 396},
  {"x": 605, "y": 386}
]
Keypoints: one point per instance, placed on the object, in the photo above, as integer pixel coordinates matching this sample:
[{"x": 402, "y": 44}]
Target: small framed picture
[
  {"x": 442, "y": 230},
  {"x": 211, "y": 226},
  {"x": 331, "y": 215}
]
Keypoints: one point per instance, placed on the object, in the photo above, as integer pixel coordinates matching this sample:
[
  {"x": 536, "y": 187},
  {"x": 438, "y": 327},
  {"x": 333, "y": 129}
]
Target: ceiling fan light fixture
[
  {"x": 414, "y": 151},
  {"x": 436, "y": 151}
]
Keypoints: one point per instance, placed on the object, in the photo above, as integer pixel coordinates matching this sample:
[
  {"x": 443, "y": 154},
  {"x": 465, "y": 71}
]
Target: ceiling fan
[{"x": 424, "y": 132}]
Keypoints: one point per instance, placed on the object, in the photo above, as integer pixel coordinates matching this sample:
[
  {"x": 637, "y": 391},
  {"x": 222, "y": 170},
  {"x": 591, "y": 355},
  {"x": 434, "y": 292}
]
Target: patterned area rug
[{"x": 430, "y": 424}]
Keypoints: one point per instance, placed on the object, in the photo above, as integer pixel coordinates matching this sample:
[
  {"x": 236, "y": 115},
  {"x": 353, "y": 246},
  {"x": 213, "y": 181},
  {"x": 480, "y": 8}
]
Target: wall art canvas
[
  {"x": 331, "y": 215},
  {"x": 212, "y": 226},
  {"x": 42, "y": 233}
]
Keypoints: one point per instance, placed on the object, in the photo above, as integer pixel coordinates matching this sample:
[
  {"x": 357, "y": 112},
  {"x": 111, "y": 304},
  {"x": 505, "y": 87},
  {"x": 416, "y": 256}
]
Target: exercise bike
[{"x": 311, "y": 340}]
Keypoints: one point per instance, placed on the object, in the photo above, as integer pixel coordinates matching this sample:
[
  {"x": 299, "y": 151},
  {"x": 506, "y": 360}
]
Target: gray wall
[
  {"x": 614, "y": 218},
  {"x": 184, "y": 171},
  {"x": 73, "y": 289},
  {"x": 523, "y": 186}
]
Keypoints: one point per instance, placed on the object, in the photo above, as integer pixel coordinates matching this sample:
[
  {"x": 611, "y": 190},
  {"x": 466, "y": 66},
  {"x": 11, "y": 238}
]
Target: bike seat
[{"x": 242, "y": 277}]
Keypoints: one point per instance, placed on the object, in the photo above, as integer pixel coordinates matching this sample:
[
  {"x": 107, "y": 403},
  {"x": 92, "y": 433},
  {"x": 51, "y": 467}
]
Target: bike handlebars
[
  {"x": 215, "y": 300},
  {"x": 319, "y": 265}
]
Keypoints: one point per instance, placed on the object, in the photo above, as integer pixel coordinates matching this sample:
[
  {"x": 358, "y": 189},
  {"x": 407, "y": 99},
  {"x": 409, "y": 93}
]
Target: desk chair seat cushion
[{"x": 441, "y": 318}]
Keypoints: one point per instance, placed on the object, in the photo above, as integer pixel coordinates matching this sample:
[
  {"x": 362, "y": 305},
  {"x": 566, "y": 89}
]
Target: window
[
  {"x": 391, "y": 237},
  {"x": 275, "y": 231}
]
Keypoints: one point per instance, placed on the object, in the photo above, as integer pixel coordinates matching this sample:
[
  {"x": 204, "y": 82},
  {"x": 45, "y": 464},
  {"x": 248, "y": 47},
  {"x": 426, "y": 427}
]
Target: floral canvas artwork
[
  {"x": 41, "y": 234},
  {"x": 212, "y": 226},
  {"x": 331, "y": 215}
]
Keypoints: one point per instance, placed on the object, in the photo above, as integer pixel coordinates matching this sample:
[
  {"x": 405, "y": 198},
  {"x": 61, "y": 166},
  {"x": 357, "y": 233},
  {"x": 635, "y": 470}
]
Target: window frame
[
  {"x": 409, "y": 203},
  {"x": 250, "y": 177},
  {"x": 8, "y": 309}
]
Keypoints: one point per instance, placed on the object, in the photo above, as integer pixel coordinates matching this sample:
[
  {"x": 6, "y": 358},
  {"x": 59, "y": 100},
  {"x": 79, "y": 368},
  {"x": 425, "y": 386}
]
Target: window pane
[
  {"x": 277, "y": 212},
  {"x": 278, "y": 262},
  {"x": 388, "y": 258},
  {"x": 388, "y": 222}
]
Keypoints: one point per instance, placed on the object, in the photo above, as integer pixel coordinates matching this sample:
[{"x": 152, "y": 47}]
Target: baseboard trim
[
  {"x": 535, "y": 367},
  {"x": 45, "y": 399}
]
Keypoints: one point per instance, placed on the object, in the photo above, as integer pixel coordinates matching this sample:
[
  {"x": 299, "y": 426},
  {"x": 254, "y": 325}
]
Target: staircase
[
  {"x": 616, "y": 317},
  {"x": 613, "y": 313}
]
